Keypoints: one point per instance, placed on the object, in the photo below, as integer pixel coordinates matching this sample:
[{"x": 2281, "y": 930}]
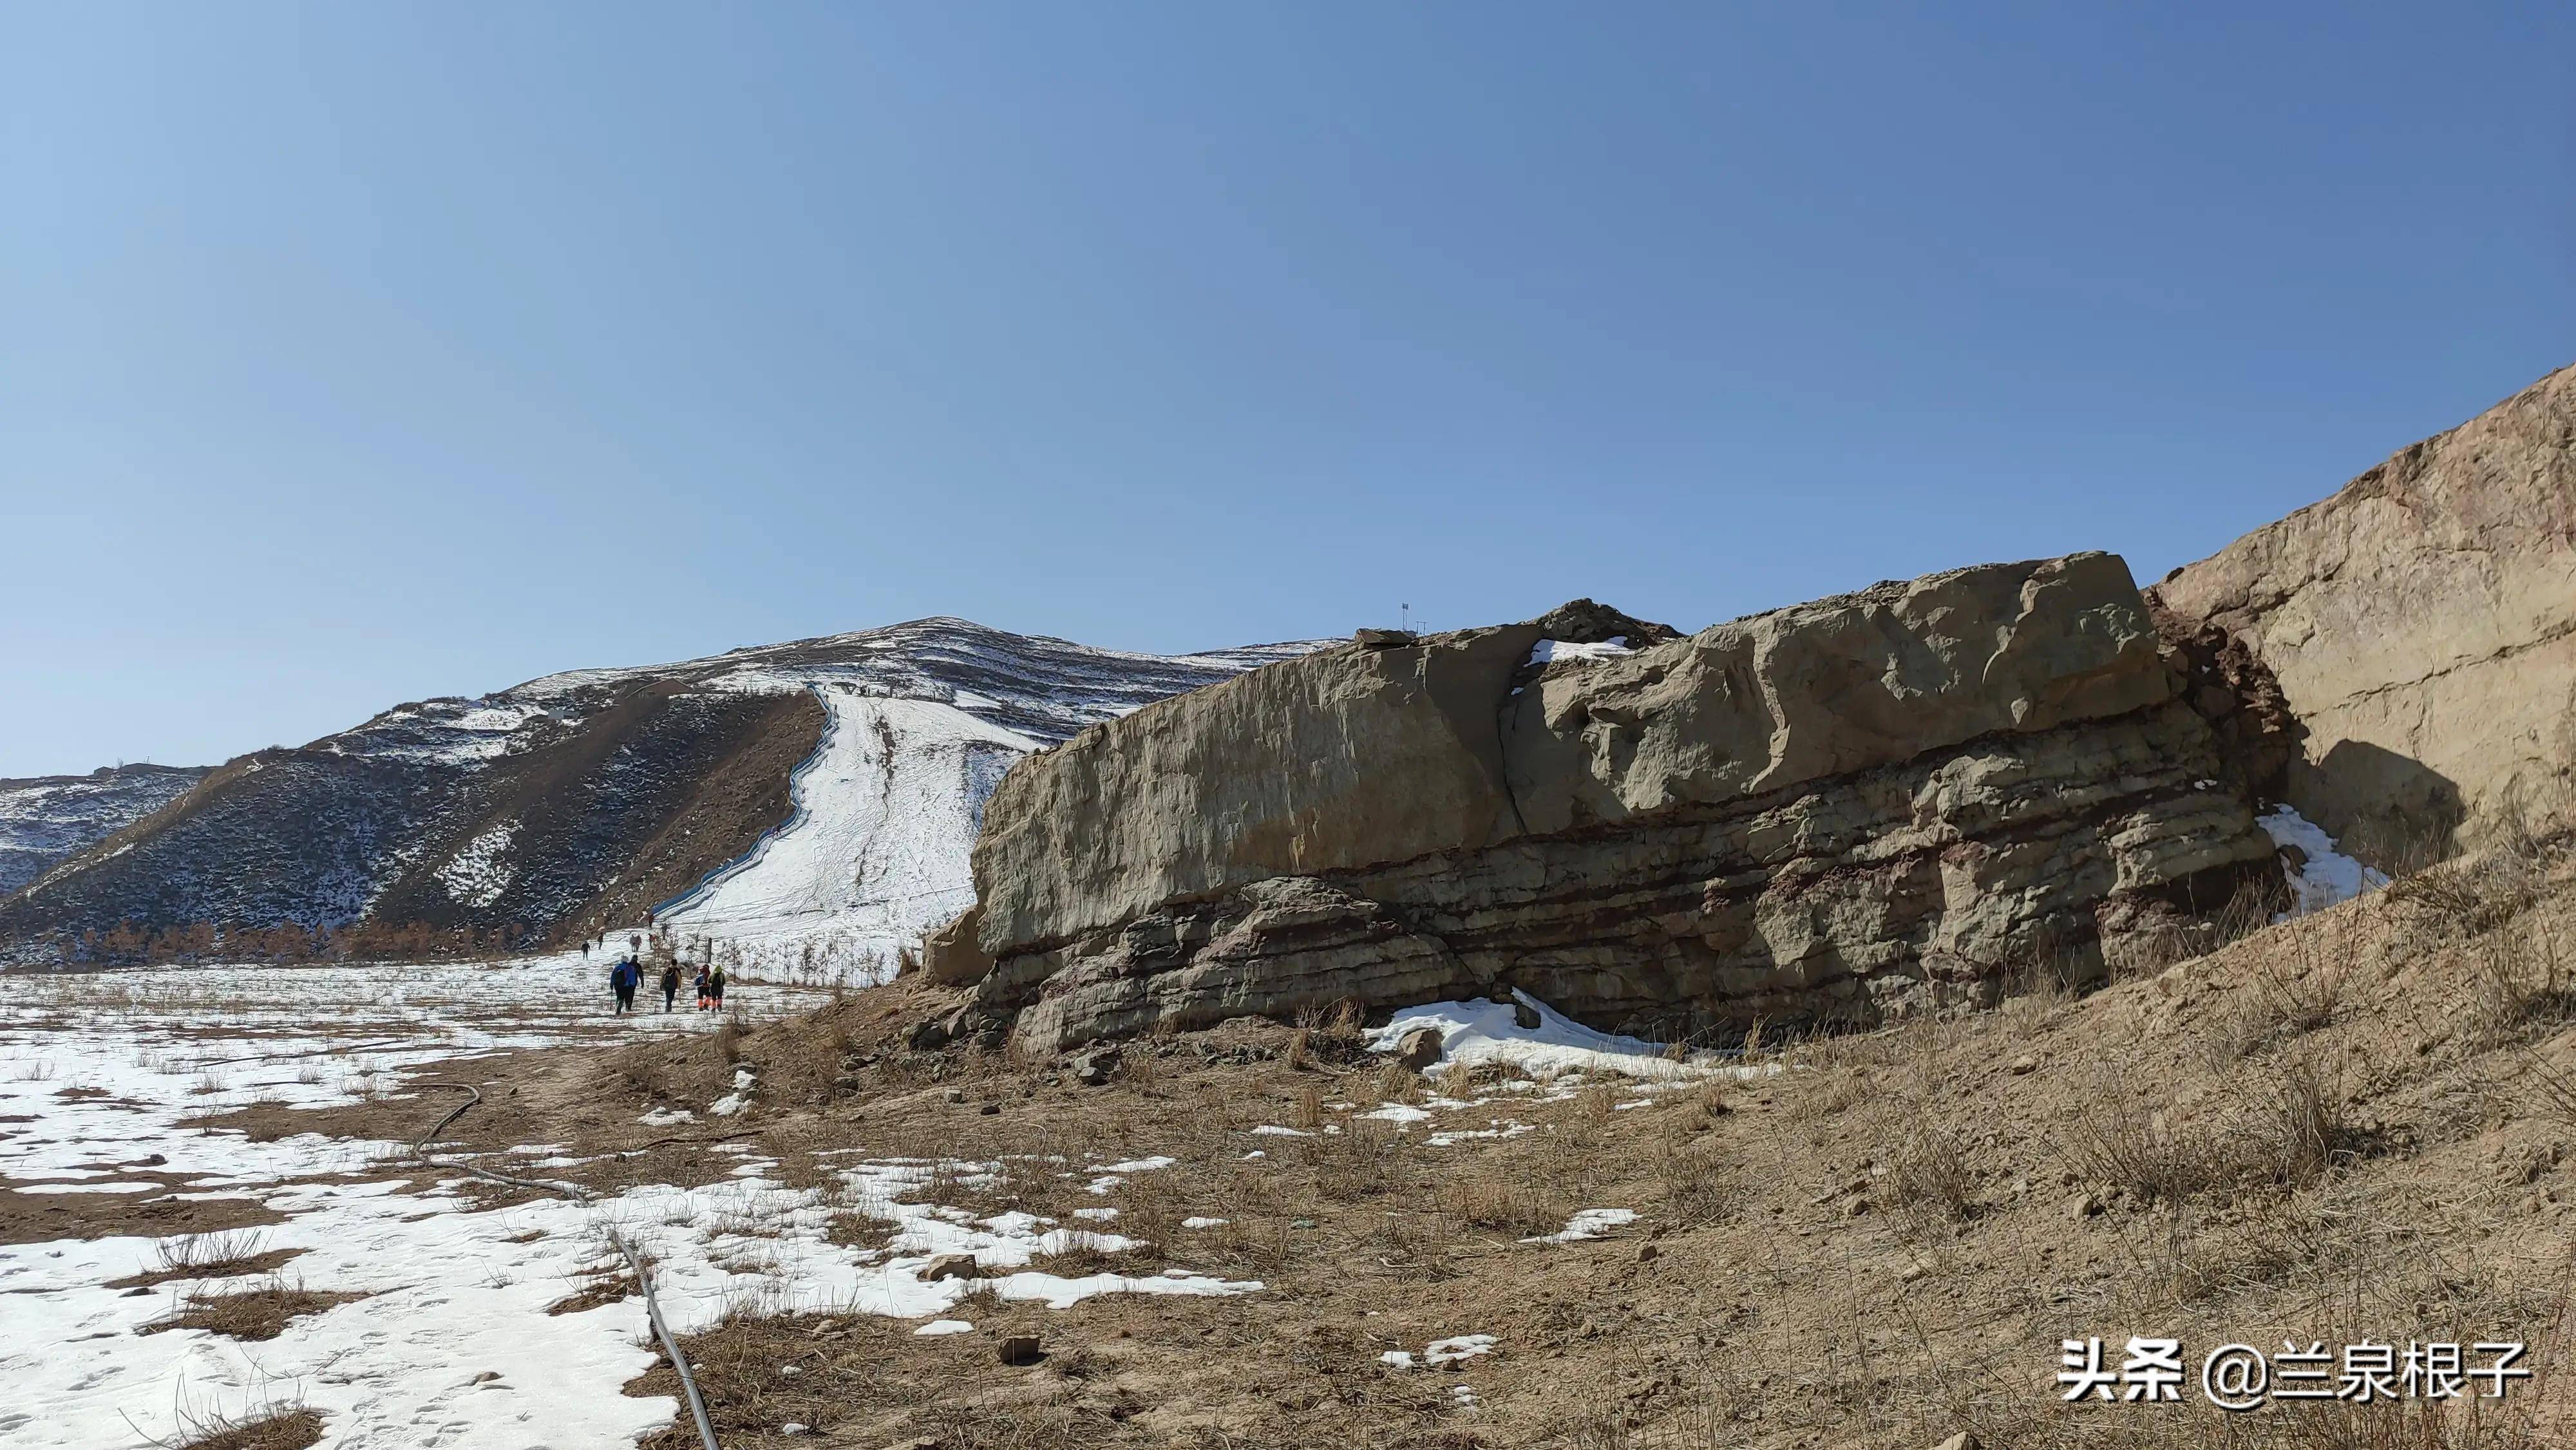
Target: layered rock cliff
[
  {"x": 2421, "y": 626},
  {"x": 1829, "y": 810}
]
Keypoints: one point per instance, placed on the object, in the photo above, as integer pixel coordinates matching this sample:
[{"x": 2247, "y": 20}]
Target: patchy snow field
[{"x": 451, "y": 1343}]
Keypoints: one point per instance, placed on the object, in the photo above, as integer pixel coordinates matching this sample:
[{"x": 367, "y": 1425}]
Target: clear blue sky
[{"x": 356, "y": 353}]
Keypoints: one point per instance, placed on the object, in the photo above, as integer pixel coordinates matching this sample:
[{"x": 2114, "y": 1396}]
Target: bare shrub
[
  {"x": 2287, "y": 1133},
  {"x": 209, "y": 1256},
  {"x": 2473, "y": 896},
  {"x": 1695, "y": 1184},
  {"x": 2517, "y": 988},
  {"x": 1930, "y": 1173},
  {"x": 1499, "y": 1199},
  {"x": 2557, "y": 1090},
  {"x": 1358, "y": 1162}
]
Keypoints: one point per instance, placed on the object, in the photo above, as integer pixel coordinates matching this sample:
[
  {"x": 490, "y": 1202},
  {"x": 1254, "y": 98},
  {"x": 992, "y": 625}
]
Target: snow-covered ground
[
  {"x": 451, "y": 1345},
  {"x": 876, "y": 851}
]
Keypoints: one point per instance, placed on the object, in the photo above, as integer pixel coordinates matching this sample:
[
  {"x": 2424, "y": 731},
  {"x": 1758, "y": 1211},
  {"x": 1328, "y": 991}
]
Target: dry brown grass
[
  {"x": 1505, "y": 1203},
  {"x": 1694, "y": 1183},
  {"x": 291, "y": 1429},
  {"x": 2472, "y": 896},
  {"x": 209, "y": 1256},
  {"x": 249, "y": 1314},
  {"x": 2273, "y": 1131},
  {"x": 2319, "y": 1131},
  {"x": 1930, "y": 1173}
]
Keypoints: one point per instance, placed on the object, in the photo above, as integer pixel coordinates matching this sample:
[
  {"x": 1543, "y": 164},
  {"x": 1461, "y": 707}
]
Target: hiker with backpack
[
  {"x": 670, "y": 984},
  {"x": 623, "y": 979},
  {"x": 704, "y": 1001}
]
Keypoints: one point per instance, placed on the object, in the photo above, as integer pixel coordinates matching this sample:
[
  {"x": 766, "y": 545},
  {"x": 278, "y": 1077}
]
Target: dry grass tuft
[
  {"x": 209, "y": 1256},
  {"x": 1930, "y": 1173},
  {"x": 290, "y": 1429},
  {"x": 2474, "y": 896},
  {"x": 1505, "y": 1203},
  {"x": 2280, "y": 1133},
  {"x": 1695, "y": 1185},
  {"x": 249, "y": 1314}
]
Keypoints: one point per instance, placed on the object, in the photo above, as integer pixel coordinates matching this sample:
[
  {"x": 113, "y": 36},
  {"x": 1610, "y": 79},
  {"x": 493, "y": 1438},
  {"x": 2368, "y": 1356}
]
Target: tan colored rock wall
[
  {"x": 2422, "y": 625},
  {"x": 1888, "y": 796},
  {"x": 1354, "y": 756}
]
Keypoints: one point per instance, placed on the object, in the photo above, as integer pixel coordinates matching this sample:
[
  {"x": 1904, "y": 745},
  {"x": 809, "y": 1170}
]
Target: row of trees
[{"x": 134, "y": 943}]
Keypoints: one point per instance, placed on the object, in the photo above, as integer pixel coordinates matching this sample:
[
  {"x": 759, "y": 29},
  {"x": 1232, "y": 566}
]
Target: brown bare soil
[
  {"x": 2354, "y": 1126},
  {"x": 30, "y": 1218}
]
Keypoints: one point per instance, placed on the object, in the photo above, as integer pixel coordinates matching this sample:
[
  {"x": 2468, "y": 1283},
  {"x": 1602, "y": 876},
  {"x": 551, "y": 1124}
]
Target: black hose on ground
[{"x": 578, "y": 1194}]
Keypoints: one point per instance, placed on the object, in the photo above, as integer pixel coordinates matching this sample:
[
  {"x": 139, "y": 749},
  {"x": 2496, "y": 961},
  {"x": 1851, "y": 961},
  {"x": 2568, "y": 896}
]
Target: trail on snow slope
[{"x": 876, "y": 853}]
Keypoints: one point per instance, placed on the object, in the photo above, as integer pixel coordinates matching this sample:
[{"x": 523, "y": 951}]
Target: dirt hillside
[{"x": 2350, "y": 1127}]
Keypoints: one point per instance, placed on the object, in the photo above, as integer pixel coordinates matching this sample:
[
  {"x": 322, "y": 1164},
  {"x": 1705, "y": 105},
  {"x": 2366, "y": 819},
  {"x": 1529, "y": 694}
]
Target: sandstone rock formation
[
  {"x": 1828, "y": 810},
  {"x": 2421, "y": 624}
]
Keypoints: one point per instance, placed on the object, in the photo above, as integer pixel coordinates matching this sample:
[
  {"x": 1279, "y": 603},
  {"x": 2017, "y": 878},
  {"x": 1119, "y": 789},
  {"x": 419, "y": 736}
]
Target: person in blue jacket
[{"x": 623, "y": 980}]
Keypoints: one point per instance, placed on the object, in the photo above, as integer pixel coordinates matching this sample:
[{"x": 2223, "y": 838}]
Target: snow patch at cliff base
[
  {"x": 1482, "y": 1031},
  {"x": 2320, "y": 876}
]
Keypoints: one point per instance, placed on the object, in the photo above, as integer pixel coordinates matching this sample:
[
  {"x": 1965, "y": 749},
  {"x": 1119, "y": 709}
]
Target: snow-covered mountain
[
  {"x": 46, "y": 819},
  {"x": 806, "y": 805}
]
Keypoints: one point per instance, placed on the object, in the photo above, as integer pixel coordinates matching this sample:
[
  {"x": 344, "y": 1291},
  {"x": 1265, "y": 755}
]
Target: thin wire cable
[{"x": 582, "y": 1196}]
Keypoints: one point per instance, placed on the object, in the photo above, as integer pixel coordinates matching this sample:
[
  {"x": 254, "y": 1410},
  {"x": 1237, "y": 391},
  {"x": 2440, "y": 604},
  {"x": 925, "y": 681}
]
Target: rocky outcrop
[
  {"x": 1836, "y": 809},
  {"x": 2421, "y": 626}
]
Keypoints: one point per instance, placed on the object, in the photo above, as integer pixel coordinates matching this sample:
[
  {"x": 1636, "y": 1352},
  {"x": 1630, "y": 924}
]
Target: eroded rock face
[
  {"x": 2421, "y": 625},
  {"x": 1834, "y": 809}
]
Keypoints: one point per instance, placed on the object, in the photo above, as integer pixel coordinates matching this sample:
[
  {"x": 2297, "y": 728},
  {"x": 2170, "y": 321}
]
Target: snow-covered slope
[
  {"x": 876, "y": 854},
  {"x": 585, "y": 800},
  {"x": 1042, "y": 688},
  {"x": 47, "y": 819}
]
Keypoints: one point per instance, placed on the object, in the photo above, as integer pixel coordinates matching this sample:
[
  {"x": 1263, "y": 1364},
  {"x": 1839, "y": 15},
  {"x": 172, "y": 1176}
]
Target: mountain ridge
[{"x": 564, "y": 805}]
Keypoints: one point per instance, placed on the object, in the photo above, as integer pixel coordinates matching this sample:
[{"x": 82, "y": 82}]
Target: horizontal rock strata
[{"x": 1834, "y": 809}]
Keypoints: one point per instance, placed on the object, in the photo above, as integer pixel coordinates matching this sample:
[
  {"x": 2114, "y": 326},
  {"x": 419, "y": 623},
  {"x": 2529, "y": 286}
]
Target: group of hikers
[{"x": 627, "y": 977}]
